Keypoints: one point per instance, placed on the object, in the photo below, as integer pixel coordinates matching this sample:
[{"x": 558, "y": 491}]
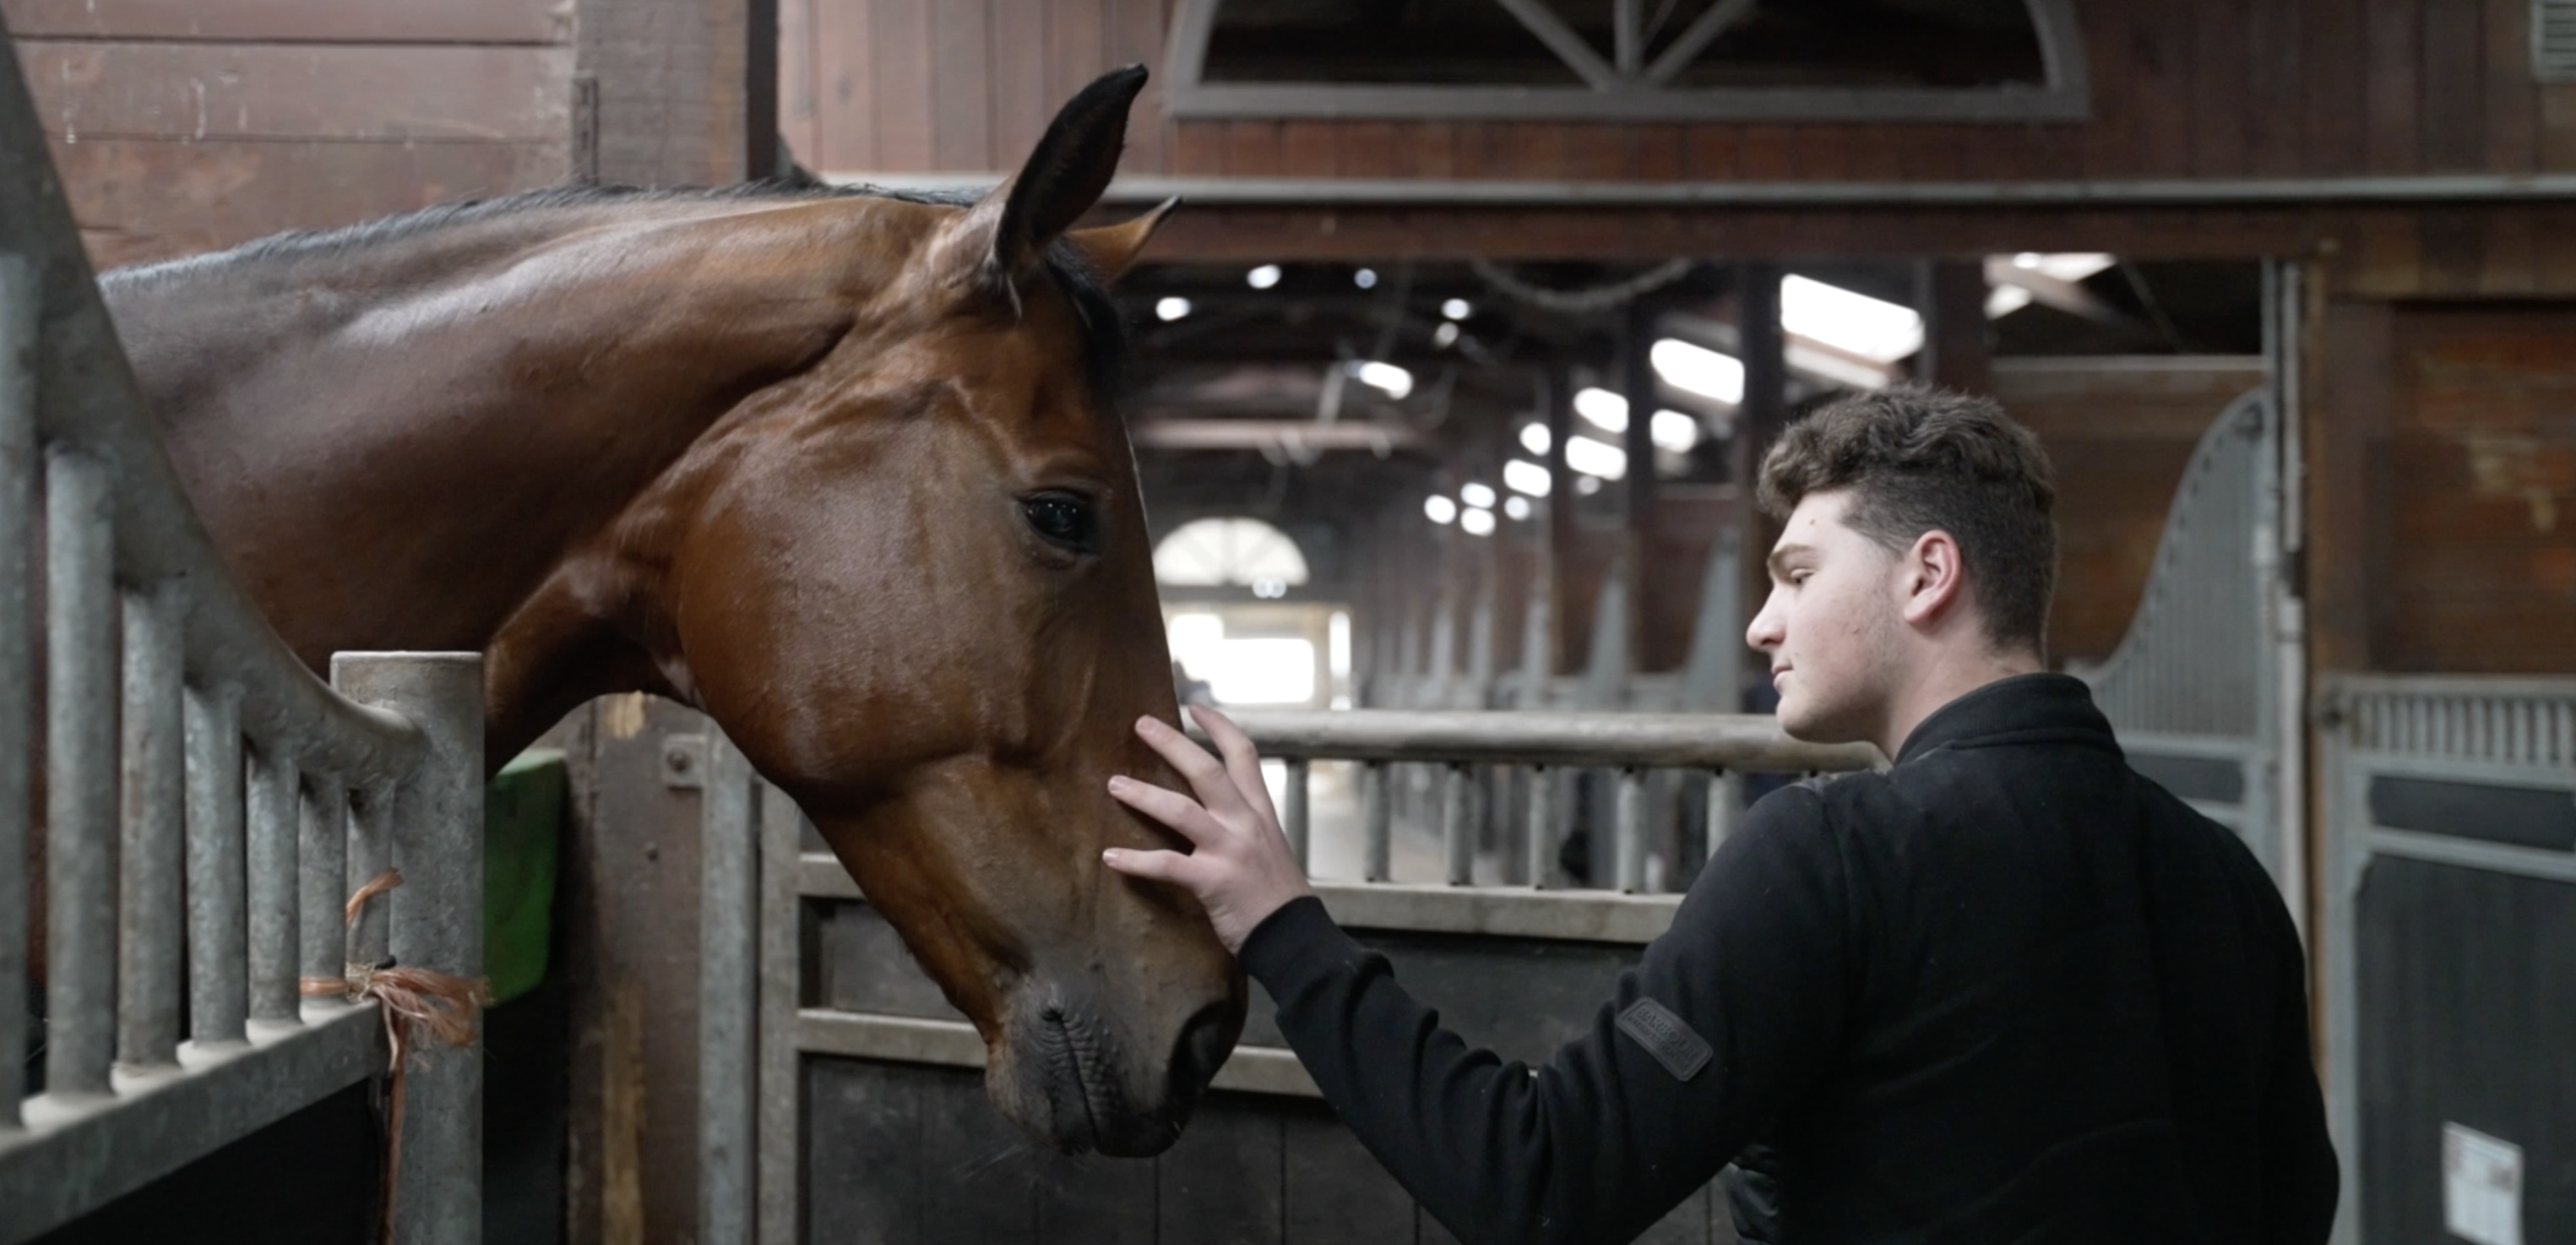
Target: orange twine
[{"x": 417, "y": 1005}]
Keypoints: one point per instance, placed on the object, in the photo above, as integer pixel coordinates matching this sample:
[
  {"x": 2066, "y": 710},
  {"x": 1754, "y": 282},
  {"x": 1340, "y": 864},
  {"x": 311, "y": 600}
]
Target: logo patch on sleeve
[{"x": 1667, "y": 1037}]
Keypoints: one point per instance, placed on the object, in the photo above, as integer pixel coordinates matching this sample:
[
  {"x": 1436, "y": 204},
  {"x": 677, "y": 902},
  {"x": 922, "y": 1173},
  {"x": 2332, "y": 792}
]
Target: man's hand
[{"x": 1241, "y": 869}]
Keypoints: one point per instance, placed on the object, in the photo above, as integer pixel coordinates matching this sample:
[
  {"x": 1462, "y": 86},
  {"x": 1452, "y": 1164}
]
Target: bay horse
[{"x": 842, "y": 469}]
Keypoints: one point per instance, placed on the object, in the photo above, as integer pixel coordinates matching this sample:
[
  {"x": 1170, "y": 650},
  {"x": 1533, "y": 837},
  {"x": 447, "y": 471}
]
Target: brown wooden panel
[
  {"x": 1711, "y": 153},
  {"x": 1092, "y": 1200},
  {"x": 799, "y": 80},
  {"x": 1766, "y": 153},
  {"x": 1309, "y": 149},
  {"x": 904, "y": 105},
  {"x": 2110, "y": 139},
  {"x": 1221, "y": 1182},
  {"x": 1369, "y": 149},
  {"x": 1077, "y": 34},
  {"x": 2512, "y": 106},
  {"x": 140, "y": 200},
  {"x": 2218, "y": 91},
  {"x": 2393, "y": 50},
  {"x": 300, "y": 91},
  {"x": 2454, "y": 89},
  {"x": 1198, "y": 149},
  {"x": 864, "y": 1163},
  {"x": 675, "y": 100},
  {"x": 2276, "y": 69},
  {"x": 1021, "y": 103},
  {"x": 2336, "y": 65},
  {"x": 1656, "y": 152},
  {"x": 1136, "y": 38},
  {"x": 961, "y": 100},
  {"x": 1252, "y": 149},
  {"x": 2509, "y": 260},
  {"x": 314, "y": 21},
  {"x": 845, "y": 51},
  {"x": 1430, "y": 147},
  {"x": 979, "y": 1169}
]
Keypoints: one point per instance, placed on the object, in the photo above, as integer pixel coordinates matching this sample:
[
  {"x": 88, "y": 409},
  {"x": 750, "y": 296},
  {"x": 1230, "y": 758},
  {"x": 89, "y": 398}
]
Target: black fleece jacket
[{"x": 2006, "y": 991}]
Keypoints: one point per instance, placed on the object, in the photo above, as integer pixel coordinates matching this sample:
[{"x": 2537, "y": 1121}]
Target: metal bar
[
  {"x": 1216, "y": 191},
  {"x": 436, "y": 923},
  {"x": 274, "y": 890},
  {"x": 218, "y": 914},
  {"x": 80, "y": 790},
  {"x": 1695, "y": 38},
  {"x": 20, "y": 309},
  {"x": 151, "y": 973},
  {"x": 1541, "y": 839},
  {"x": 1725, "y": 806},
  {"x": 1562, "y": 40},
  {"x": 1295, "y": 819},
  {"x": 1632, "y": 830},
  {"x": 322, "y": 860},
  {"x": 1627, "y": 37},
  {"x": 1457, "y": 837},
  {"x": 728, "y": 998},
  {"x": 1753, "y": 743},
  {"x": 369, "y": 938},
  {"x": 781, "y": 971},
  {"x": 1377, "y": 820}
]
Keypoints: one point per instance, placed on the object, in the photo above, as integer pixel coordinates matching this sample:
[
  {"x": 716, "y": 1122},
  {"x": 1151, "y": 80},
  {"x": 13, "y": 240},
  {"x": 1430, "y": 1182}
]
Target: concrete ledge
[{"x": 955, "y": 1044}]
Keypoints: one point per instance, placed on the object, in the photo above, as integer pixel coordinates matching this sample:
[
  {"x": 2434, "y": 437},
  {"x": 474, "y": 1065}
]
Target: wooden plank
[
  {"x": 1198, "y": 149},
  {"x": 1136, "y": 38},
  {"x": 799, "y": 79},
  {"x": 2276, "y": 112},
  {"x": 2161, "y": 49},
  {"x": 1369, "y": 149},
  {"x": 302, "y": 21},
  {"x": 1766, "y": 153},
  {"x": 1223, "y": 1181},
  {"x": 2454, "y": 251},
  {"x": 1432, "y": 148},
  {"x": 903, "y": 106},
  {"x": 2338, "y": 103},
  {"x": 2393, "y": 35},
  {"x": 2350, "y": 411},
  {"x": 1333, "y": 1191},
  {"x": 271, "y": 91},
  {"x": 2556, "y": 148},
  {"x": 1655, "y": 152},
  {"x": 2512, "y": 103},
  {"x": 845, "y": 52},
  {"x": 141, "y": 200},
  {"x": 2454, "y": 87},
  {"x": 675, "y": 107},
  {"x": 866, "y": 1119},
  {"x": 2217, "y": 97},
  {"x": 1077, "y": 35},
  {"x": 1709, "y": 152},
  {"x": 961, "y": 100},
  {"x": 1092, "y": 1200},
  {"x": 1252, "y": 149},
  {"x": 2509, "y": 262},
  {"x": 979, "y": 1170},
  {"x": 1309, "y": 149},
  {"x": 1021, "y": 104},
  {"x": 2108, "y": 142}
]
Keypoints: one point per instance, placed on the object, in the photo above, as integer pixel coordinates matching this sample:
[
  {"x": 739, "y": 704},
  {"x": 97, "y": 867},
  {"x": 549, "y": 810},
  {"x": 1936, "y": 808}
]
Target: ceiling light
[
  {"x": 1263, "y": 277},
  {"x": 1534, "y": 438},
  {"x": 2003, "y": 300},
  {"x": 1444, "y": 336},
  {"x": 1386, "y": 378},
  {"x": 1587, "y": 485},
  {"x": 1520, "y": 475},
  {"x": 1872, "y": 328},
  {"x": 1171, "y": 308},
  {"x": 1439, "y": 509},
  {"x": 2027, "y": 259},
  {"x": 1457, "y": 309},
  {"x": 1842, "y": 369},
  {"x": 1596, "y": 458},
  {"x": 1477, "y": 522},
  {"x": 1477, "y": 495},
  {"x": 1674, "y": 431},
  {"x": 1698, "y": 369},
  {"x": 1604, "y": 408},
  {"x": 1365, "y": 278},
  {"x": 1516, "y": 507}
]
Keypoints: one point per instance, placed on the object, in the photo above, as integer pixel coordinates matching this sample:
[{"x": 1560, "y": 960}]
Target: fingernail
[
  {"x": 1109, "y": 855},
  {"x": 1117, "y": 783}
]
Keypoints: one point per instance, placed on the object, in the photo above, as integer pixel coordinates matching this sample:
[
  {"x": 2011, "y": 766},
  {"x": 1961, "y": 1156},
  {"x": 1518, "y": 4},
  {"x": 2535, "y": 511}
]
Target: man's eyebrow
[{"x": 1783, "y": 554}]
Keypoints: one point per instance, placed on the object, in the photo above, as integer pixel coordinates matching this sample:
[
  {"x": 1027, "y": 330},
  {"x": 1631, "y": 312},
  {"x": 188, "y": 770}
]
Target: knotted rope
[{"x": 417, "y": 1004}]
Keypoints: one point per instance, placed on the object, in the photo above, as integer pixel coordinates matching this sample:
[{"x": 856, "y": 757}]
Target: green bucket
[{"x": 523, "y": 811}]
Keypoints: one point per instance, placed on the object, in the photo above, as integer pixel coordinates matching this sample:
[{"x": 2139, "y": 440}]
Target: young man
[{"x": 2005, "y": 991}]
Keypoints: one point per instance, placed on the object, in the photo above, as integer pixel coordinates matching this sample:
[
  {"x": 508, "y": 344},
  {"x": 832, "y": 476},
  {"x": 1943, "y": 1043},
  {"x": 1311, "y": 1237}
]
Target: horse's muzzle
[{"x": 1072, "y": 1078}]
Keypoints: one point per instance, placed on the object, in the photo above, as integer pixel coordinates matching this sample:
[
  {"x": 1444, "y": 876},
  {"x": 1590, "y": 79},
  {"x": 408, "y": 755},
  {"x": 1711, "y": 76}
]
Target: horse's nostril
[{"x": 1204, "y": 1045}]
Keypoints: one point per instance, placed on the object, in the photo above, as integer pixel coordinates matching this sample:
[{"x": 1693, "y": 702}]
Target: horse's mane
[{"x": 1104, "y": 330}]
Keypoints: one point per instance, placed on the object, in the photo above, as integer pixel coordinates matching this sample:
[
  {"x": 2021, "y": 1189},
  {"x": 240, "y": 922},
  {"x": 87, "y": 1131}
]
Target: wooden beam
[
  {"x": 1954, "y": 326},
  {"x": 1764, "y": 412},
  {"x": 2347, "y": 422},
  {"x": 688, "y": 89}
]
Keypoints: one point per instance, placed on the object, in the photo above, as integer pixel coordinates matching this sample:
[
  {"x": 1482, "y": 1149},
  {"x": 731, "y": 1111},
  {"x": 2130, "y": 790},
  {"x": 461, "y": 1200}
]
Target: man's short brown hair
[{"x": 1916, "y": 459}]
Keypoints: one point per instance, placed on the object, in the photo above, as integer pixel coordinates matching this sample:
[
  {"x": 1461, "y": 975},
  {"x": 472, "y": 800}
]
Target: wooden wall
[
  {"x": 2181, "y": 88},
  {"x": 183, "y": 127}
]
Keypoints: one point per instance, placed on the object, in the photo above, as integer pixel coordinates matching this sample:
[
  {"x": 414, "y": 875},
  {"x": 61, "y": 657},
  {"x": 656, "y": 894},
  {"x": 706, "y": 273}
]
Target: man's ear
[
  {"x": 1935, "y": 578},
  {"x": 1003, "y": 239}
]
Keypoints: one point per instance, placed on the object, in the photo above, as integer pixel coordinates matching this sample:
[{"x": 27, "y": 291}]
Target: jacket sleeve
[
  {"x": 2301, "y": 1180},
  {"x": 1729, "y": 1017}
]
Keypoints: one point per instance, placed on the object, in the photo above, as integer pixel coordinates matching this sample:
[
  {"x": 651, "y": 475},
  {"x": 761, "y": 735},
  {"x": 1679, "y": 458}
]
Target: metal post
[
  {"x": 1457, "y": 838},
  {"x": 369, "y": 939},
  {"x": 1725, "y": 803},
  {"x": 1377, "y": 820},
  {"x": 19, "y": 312},
  {"x": 273, "y": 890},
  {"x": 782, "y": 828},
  {"x": 80, "y": 791},
  {"x": 728, "y": 993},
  {"x": 151, "y": 975},
  {"x": 1294, "y": 819},
  {"x": 436, "y": 923},
  {"x": 1542, "y": 826},
  {"x": 218, "y": 914},
  {"x": 1632, "y": 830},
  {"x": 323, "y": 863}
]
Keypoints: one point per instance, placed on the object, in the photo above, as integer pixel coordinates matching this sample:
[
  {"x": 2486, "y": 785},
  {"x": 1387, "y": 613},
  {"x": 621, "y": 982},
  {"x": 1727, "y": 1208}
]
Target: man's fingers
[
  {"x": 1171, "y": 808},
  {"x": 1242, "y": 760},
  {"x": 1215, "y": 787},
  {"x": 1155, "y": 866}
]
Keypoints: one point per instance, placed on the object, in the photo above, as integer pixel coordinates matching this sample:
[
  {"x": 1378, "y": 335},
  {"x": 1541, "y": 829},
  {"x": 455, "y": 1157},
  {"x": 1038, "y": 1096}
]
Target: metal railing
[
  {"x": 209, "y": 804},
  {"x": 754, "y": 1029}
]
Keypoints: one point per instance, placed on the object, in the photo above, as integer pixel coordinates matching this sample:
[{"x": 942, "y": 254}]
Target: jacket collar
[{"x": 2028, "y": 708}]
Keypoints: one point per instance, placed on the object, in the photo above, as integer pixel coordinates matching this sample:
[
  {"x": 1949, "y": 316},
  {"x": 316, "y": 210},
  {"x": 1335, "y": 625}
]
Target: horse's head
[{"x": 915, "y": 588}]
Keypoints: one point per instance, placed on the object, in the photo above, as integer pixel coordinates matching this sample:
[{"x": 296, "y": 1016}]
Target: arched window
[
  {"x": 1672, "y": 60},
  {"x": 1229, "y": 552}
]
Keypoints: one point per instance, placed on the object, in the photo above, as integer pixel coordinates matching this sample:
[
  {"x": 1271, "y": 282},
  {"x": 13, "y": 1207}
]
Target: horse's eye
[{"x": 1064, "y": 520}]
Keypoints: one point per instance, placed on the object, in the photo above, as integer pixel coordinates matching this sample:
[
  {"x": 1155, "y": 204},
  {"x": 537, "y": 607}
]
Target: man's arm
[
  {"x": 2301, "y": 1181},
  {"x": 1730, "y": 1017}
]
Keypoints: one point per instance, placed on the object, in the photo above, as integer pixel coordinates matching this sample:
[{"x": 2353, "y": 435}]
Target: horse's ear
[
  {"x": 1112, "y": 249},
  {"x": 1004, "y": 238}
]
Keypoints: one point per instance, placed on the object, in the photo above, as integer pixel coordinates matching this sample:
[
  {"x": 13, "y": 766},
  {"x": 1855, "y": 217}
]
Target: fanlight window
[
  {"x": 1895, "y": 60},
  {"x": 1217, "y": 552}
]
